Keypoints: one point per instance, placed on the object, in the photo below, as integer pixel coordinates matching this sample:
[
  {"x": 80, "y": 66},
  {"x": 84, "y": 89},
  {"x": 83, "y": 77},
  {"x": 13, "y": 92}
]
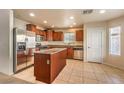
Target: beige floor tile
[
  {"x": 89, "y": 75},
  {"x": 60, "y": 82},
  {"x": 106, "y": 82},
  {"x": 103, "y": 77},
  {"x": 78, "y": 72},
  {"x": 75, "y": 80},
  {"x": 90, "y": 81},
  {"x": 64, "y": 77}
]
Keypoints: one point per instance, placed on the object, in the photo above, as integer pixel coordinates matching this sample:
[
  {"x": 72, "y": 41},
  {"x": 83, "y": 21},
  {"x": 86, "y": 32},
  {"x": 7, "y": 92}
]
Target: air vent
[{"x": 87, "y": 11}]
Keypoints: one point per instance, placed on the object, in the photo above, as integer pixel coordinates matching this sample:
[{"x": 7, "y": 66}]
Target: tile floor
[
  {"x": 78, "y": 72},
  {"x": 6, "y": 79}
]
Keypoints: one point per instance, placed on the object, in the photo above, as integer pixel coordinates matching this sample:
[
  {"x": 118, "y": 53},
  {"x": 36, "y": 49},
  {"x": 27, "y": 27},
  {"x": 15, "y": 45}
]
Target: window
[
  {"x": 69, "y": 37},
  {"x": 114, "y": 40}
]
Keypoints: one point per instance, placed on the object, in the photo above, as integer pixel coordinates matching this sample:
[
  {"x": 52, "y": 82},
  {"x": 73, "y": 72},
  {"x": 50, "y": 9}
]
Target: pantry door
[{"x": 94, "y": 44}]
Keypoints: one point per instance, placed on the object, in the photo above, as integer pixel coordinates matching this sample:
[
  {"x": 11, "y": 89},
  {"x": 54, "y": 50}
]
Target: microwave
[{"x": 39, "y": 38}]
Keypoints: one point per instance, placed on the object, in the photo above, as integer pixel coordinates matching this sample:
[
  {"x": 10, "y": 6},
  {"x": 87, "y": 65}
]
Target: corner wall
[
  {"x": 113, "y": 60},
  {"x": 6, "y": 41}
]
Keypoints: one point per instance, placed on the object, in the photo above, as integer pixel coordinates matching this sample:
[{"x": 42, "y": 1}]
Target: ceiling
[{"x": 60, "y": 18}]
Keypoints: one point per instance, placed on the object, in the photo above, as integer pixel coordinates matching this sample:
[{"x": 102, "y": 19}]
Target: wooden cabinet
[
  {"x": 49, "y": 35},
  {"x": 31, "y": 27},
  {"x": 37, "y": 32},
  {"x": 55, "y": 36},
  {"x": 44, "y": 33},
  {"x": 79, "y": 35},
  {"x": 41, "y": 68},
  {"x": 61, "y": 36},
  {"x": 58, "y": 36},
  {"x": 48, "y": 66},
  {"x": 70, "y": 52},
  {"x": 41, "y": 33}
]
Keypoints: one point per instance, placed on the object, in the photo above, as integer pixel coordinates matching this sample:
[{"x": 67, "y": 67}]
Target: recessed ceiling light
[
  {"x": 102, "y": 11},
  {"x": 32, "y": 14},
  {"x": 74, "y": 23},
  {"x": 71, "y": 17},
  {"x": 71, "y": 26},
  {"x": 52, "y": 26},
  {"x": 45, "y": 21}
]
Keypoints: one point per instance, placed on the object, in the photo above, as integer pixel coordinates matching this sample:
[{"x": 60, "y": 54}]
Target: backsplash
[{"x": 61, "y": 43}]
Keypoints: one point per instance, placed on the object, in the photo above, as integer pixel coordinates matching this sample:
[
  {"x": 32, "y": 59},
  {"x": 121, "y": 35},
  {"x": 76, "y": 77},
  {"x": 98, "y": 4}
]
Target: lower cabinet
[
  {"x": 48, "y": 66},
  {"x": 70, "y": 53}
]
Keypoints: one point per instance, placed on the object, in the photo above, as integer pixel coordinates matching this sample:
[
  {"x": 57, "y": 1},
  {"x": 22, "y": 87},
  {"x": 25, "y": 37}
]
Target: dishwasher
[{"x": 78, "y": 53}]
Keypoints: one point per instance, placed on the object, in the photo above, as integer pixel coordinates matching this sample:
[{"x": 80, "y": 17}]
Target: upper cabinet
[
  {"x": 49, "y": 34},
  {"x": 79, "y": 35},
  {"x": 31, "y": 27},
  {"x": 58, "y": 36}
]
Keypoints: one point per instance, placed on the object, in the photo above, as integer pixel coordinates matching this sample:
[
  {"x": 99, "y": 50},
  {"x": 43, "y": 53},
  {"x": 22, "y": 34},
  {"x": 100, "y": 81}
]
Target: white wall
[
  {"x": 21, "y": 24},
  {"x": 6, "y": 41},
  {"x": 94, "y": 25},
  {"x": 116, "y": 61}
]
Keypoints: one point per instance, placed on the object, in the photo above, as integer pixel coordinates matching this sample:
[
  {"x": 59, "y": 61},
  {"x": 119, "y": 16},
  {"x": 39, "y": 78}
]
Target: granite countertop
[
  {"x": 50, "y": 51},
  {"x": 66, "y": 45}
]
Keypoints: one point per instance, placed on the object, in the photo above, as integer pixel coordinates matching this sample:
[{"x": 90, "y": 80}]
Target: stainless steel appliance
[
  {"x": 78, "y": 53},
  {"x": 23, "y": 46},
  {"x": 39, "y": 38},
  {"x": 21, "y": 56}
]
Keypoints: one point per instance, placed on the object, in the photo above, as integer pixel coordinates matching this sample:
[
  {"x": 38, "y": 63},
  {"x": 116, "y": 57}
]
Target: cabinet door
[
  {"x": 58, "y": 36},
  {"x": 61, "y": 36},
  {"x": 41, "y": 67},
  {"x": 49, "y": 35},
  {"x": 79, "y": 35},
  {"x": 70, "y": 52},
  {"x": 55, "y": 36},
  {"x": 31, "y": 27}
]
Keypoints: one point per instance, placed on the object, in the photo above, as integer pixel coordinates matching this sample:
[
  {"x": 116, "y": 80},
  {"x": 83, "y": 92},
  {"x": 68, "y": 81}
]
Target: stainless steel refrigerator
[{"x": 23, "y": 46}]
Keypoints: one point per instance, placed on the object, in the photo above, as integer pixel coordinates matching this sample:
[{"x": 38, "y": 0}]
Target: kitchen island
[{"x": 48, "y": 63}]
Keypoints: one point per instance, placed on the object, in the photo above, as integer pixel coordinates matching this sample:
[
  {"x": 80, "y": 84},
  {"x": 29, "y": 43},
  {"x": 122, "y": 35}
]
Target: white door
[{"x": 94, "y": 44}]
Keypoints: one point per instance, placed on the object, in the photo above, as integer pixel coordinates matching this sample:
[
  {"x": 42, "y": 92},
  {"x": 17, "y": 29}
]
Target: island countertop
[{"x": 50, "y": 51}]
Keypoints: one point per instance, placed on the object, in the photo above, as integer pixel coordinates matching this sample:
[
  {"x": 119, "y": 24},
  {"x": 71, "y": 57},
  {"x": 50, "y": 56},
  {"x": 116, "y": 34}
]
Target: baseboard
[{"x": 113, "y": 66}]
